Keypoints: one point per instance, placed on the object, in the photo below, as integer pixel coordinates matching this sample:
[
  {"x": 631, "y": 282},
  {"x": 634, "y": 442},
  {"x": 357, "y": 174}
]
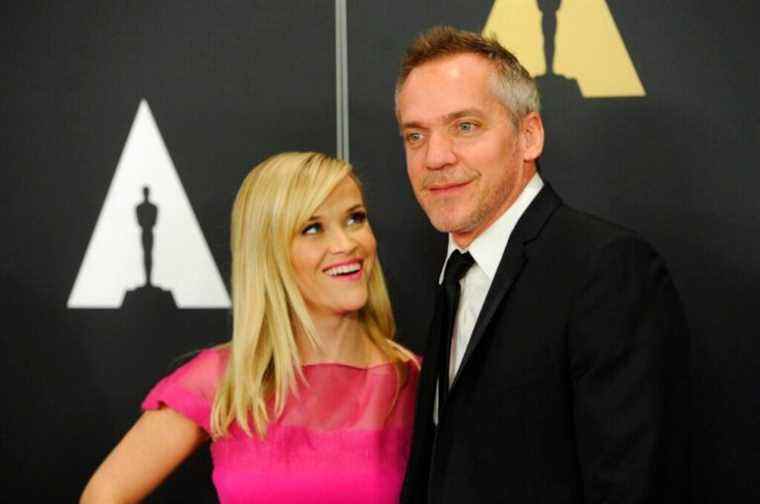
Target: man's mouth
[{"x": 446, "y": 188}]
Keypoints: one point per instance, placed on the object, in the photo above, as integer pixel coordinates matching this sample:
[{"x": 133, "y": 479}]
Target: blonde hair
[{"x": 274, "y": 201}]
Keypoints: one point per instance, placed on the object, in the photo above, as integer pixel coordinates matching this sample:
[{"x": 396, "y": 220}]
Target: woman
[{"x": 311, "y": 400}]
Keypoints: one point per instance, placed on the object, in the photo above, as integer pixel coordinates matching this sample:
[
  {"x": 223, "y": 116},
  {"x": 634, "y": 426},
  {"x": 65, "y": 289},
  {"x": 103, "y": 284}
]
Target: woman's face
[{"x": 334, "y": 252}]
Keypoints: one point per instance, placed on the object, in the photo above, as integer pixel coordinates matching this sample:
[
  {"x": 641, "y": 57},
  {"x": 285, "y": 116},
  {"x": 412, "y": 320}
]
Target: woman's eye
[
  {"x": 311, "y": 229},
  {"x": 357, "y": 217}
]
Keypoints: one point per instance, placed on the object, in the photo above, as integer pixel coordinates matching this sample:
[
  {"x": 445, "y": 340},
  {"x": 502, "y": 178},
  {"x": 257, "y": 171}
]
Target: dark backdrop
[{"x": 229, "y": 84}]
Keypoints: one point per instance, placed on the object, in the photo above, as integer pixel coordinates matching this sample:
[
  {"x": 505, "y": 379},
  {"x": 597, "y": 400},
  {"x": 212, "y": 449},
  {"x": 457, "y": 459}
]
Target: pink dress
[{"x": 345, "y": 438}]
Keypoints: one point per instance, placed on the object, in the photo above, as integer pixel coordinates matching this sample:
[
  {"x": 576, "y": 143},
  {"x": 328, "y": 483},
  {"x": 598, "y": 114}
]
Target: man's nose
[{"x": 440, "y": 151}]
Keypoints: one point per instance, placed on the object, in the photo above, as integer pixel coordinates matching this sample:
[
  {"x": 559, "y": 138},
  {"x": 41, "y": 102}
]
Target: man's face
[{"x": 466, "y": 161}]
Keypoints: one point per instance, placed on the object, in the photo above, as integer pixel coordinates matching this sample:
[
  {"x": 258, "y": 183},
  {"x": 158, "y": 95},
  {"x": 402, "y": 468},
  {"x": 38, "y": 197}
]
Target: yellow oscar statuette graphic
[{"x": 571, "y": 39}]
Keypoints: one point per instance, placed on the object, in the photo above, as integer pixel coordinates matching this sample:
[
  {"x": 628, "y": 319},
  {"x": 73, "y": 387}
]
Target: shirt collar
[{"x": 488, "y": 248}]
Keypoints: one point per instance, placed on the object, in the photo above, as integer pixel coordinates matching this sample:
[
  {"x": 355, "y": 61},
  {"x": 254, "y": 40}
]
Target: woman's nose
[{"x": 341, "y": 241}]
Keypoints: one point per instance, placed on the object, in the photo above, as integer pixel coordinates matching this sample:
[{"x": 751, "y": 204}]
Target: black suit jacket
[{"x": 574, "y": 386}]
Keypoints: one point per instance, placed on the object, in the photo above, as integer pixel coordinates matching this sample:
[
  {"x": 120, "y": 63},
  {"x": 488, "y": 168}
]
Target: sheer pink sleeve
[{"x": 190, "y": 389}]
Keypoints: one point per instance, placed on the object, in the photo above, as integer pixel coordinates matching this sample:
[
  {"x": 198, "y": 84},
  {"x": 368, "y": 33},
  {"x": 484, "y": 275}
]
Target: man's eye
[
  {"x": 467, "y": 127},
  {"x": 357, "y": 217},
  {"x": 311, "y": 229},
  {"x": 413, "y": 137}
]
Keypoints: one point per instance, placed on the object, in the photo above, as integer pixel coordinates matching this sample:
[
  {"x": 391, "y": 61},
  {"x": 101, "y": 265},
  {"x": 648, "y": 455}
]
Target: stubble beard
[{"x": 446, "y": 215}]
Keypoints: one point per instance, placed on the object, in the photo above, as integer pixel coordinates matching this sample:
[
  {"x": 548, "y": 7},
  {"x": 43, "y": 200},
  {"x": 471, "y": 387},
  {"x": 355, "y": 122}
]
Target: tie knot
[{"x": 457, "y": 267}]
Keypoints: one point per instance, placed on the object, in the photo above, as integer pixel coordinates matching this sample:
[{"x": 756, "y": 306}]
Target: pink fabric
[{"x": 344, "y": 438}]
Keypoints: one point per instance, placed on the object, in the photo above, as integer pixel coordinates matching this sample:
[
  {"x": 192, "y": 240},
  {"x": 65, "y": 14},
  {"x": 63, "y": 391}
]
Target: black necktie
[{"x": 448, "y": 293}]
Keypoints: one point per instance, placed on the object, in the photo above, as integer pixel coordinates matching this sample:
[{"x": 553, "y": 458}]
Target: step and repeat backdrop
[{"x": 127, "y": 128}]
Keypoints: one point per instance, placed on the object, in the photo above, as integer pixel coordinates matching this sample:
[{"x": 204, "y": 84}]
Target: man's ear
[{"x": 532, "y": 136}]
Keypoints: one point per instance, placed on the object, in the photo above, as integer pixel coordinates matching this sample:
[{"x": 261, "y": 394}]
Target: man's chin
[{"x": 448, "y": 225}]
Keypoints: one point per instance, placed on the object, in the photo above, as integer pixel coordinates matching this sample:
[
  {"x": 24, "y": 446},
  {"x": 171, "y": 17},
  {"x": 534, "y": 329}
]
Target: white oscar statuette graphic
[{"x": 166, "y": 230}]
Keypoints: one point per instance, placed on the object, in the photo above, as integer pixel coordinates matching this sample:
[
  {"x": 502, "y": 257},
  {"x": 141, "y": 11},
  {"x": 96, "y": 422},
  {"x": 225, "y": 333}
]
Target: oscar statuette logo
[
  {"x": 147, "y": 248},
  {"x": 572, "y": 47}
]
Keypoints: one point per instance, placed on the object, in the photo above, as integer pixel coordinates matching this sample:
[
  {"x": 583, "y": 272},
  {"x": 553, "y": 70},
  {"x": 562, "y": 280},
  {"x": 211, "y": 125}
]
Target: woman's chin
[{"x": 352, "y": 307}]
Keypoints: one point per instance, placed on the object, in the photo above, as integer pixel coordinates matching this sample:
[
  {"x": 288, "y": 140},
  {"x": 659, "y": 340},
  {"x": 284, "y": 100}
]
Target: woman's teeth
[{"x": 344, "y": 269}]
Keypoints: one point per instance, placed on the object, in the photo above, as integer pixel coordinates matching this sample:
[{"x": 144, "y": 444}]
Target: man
[{"x": 562, "y": 374}]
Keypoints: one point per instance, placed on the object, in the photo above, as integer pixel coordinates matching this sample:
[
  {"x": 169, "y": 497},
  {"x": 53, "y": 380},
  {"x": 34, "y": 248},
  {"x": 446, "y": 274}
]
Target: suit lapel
[
  {"x": 512, "y": 263},
  {"x": 429, "y": 375},
  {"x": 417, "y": 473}
]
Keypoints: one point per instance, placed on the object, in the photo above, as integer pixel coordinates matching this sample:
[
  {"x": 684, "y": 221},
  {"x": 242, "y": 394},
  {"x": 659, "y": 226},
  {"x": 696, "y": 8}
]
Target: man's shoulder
[
  {"x": 549, "y": 218},
  {"x": 590, "y": 226},
  {"x": 575, "y": 246},
  {"x": 585, "y": 233}
]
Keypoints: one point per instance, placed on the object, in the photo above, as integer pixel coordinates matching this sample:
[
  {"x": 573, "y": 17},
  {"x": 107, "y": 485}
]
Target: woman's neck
[{"x": 342, "y": 339}]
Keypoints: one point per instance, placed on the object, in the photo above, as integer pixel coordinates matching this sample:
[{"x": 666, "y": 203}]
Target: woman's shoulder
[
  {"x": 202, "y": 371},
  {"x": 413, "y": 366},
  {"x": 211, "y": 360},
  {"x": 190, "y": 388},
  {"x": 414, "y": 363},
  {"x": 410, "y": 360}
]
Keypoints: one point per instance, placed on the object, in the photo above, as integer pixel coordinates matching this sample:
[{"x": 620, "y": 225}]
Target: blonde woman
[{"x": 311, "y": 400}]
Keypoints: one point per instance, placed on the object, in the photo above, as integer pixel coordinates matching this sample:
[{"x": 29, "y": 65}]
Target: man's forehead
[{"x": 442, "y": 89}]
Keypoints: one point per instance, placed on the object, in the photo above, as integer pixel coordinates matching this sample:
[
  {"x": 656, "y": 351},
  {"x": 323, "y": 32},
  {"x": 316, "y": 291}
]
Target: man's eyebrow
[
  {"x": 410, "y": 125},
  {"x": 445, "y": 119},
  {"x": 462, "y": 113}
]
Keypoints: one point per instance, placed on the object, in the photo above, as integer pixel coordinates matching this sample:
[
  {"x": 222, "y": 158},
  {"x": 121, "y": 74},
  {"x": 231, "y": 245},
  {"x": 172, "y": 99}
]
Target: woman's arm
[{"x": 158, "y": 442}]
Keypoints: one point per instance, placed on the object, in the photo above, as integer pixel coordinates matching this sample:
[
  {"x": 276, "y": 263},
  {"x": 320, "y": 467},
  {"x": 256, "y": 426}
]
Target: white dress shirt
[{"x": 487, "y": 250}]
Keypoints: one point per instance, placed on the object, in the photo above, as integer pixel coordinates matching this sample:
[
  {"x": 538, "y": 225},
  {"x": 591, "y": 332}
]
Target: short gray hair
[{"x": 512, "y": 84}]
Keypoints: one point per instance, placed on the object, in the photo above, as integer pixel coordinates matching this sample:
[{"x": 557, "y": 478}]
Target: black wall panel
[{"x": 230, "y": 83}]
